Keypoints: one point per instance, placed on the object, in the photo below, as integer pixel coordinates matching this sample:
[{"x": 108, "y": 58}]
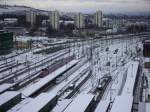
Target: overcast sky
[{"x": 118, "y": 6}]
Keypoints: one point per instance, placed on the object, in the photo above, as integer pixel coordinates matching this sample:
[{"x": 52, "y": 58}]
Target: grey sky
[{"x": 86, "y": 5}]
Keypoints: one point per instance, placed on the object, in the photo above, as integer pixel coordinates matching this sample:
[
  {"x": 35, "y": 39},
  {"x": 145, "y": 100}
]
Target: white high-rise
[
  {"x": 79, "y": 21},
  {"x": 54, "y": 20},
  {"x": 31, "y": 17},
  {"x": 98, "y": 19}
]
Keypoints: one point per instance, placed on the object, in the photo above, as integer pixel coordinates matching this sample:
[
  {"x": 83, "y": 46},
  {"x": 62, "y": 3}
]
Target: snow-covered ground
[{"x": 112, "y": 57}]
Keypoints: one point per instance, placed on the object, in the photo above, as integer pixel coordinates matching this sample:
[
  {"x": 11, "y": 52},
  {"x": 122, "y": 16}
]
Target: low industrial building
[
  {"x": 16, "y": 30},
  {"x": 6, "y": 42}
]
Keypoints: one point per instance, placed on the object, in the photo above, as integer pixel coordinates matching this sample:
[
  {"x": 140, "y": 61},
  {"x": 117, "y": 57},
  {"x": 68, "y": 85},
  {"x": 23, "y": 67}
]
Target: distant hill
[{"x": 17, "y": 9}]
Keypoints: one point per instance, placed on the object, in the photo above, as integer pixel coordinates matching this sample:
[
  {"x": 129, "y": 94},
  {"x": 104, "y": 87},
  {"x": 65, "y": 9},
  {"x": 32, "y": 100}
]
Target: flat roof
[
  {"x": 5, "y": 97},
  {"x": 122, "y": 103},
  {"x": 131, "y": 78},
  {"x": 38, "y": 103},
  {"x": 5, "y": 86},
  {"x": 147, "y": 107},
  {"x": 103, "y": 106},
  {"x": 80, "y": 103},
  {"x": 61, "y": 105},
  {"x": 142, "y": 107}
]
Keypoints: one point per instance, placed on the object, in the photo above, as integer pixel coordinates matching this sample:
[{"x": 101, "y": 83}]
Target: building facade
[
  {"x": 79, "y": 21},
  {"x": 98, "y": 19},
  {"x": 31, "y": 17},
  {"x": 54, "y": 20}
]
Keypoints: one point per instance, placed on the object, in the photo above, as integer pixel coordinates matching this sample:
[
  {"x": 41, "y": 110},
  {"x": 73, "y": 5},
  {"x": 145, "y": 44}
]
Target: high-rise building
[
  {"x": 31, "y": 17},
  {"x": 54, "y": 20},
  {"x": 98, "y": 19},
  {"x": 79, "y": 21}
]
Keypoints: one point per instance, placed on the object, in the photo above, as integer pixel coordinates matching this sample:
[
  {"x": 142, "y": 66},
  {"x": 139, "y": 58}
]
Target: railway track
[
  {"x": 81, "y": 82},
  {"x": 11, "y": 66},
  {"x": 32, "y": 77},
  {"x": 70, "y": 76},
  {"x": 17, "y": 54},
  {"x": 99, "y": 92},
  {"x": 62, "y": 91},
  {"x": 6, "y": 64},
  {"x": 67, "y": 74},
  {"x": 33, "y": 66}
]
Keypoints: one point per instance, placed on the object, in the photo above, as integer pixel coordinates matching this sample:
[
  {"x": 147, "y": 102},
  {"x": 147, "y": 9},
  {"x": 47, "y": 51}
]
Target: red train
[{"x": 55, "y": 66}]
